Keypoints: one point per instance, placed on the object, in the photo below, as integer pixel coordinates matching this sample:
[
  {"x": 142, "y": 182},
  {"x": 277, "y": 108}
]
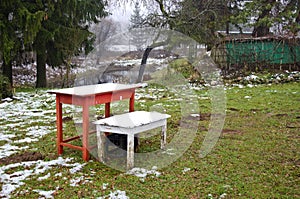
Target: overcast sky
[{"x": 123, "y": 12}]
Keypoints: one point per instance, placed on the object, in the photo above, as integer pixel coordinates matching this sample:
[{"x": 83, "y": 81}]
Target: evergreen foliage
[
  {"x": 136, "y": 19},
  {"x": 282, "y": 16},
  {"x": 65, "y": 32},
  {"x": 56, "y": 30},
  {"x": 136, "y": 23},
  {"x": 18, "y": 27}
]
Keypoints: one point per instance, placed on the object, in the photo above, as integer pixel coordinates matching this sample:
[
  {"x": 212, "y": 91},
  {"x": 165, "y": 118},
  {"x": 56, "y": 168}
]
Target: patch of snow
[
  {"x": 251, "y": 77},
  {"x": 115, "y": 195},
  {"x": 185, "y": 169},
  {"x": 13, "y": 115},
  {"x": 74, "y": 182},
  {"x": 27, "y": 140},
  {"x": 58, "y": 175},
  {"x": 104, "y": 186},
  {"x": 169, "y": 152},
  {"x": 8, "y": 149},
  {"x": 12, "y": 181},
  {"x": 45, "y": 194},
  {"x": 223, "y": 196},
  {"x": 143, "y": 173},
  {"x": 8, "y": 99},
  {"x": 6, "y": 137},
  {"x": 44, "y": 177},
  {"x": 77, "y": 168}
]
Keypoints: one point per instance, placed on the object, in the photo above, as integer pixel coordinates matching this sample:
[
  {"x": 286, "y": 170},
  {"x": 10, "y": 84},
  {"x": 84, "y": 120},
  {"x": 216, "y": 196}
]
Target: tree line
[{"x": 56, "y": 30}]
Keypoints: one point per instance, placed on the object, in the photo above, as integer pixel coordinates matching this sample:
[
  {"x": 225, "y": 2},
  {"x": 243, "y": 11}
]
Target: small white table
[{"x": 130, "y": 124}]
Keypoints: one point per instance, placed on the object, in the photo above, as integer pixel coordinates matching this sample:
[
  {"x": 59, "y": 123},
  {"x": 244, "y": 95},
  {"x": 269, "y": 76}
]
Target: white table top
[
  {"x": 95, "y": 89},
  {"x": 132, "y": 119}
]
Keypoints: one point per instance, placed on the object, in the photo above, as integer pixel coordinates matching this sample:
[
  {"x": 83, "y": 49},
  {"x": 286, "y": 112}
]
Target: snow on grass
[
  {"x": 185, "y": 169},
  {"x": 44, "y": 177},
  {"x": 75, "y": 182},
  {"x": 27, "y": 140},
  {"x": 23, "y": 120},
  {"x": 104, "y": 186},
  {"x": 115, "y": 195},
  {"x": 8, "y": 149},
  {"x": 17, "y": 114},
  {"x": 77, "y": 167},
  {"x": 6, "y": 137},
  {"x": 169, "y": 151},
  {"x": 45, "y": 194},
  {"x": 12, "y": 181},
  {"x": 143, "y": 173}
]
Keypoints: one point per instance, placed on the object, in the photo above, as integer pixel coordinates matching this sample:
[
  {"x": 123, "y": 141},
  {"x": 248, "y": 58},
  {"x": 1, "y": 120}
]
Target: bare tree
[{"x": 105, "y": 29}]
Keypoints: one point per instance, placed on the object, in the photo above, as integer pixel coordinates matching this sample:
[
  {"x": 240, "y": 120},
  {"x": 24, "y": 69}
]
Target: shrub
[{"x": 187, "y": 70}]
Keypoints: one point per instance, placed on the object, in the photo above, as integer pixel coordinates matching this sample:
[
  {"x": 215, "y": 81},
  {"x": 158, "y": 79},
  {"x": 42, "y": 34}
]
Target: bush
[
  {"x": 5, "y": 87},
  {"x": 187, "y": 70}
]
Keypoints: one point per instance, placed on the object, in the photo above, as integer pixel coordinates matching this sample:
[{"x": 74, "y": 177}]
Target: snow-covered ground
[
  {"x": 87, "y": 68},
  {"x": 25, "y": 120}
]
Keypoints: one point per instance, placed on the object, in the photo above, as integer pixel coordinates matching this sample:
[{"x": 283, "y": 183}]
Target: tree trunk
[
  {"x": 262, "y": 29},
  {"x": 146, "y": 55},
  {"x": 7, "y": 71},
  {"x": 41, "y": 79},
  {"x": 143, "y": 64}
]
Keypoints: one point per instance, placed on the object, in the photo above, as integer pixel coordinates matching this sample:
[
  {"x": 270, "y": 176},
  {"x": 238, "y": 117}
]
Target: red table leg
[
  {"x": 85, "y": 132},
  {"x": 107, "y": 109},
  {"x": 131, "y": 103},
  {"x": 59, "y": 136}
]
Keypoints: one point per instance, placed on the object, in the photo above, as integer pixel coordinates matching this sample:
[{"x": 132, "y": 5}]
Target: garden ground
[{"x": 257, "y": 155}]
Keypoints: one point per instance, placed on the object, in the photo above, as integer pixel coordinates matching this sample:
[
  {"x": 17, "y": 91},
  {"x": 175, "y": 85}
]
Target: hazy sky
[{"x": 123, "y": 12}]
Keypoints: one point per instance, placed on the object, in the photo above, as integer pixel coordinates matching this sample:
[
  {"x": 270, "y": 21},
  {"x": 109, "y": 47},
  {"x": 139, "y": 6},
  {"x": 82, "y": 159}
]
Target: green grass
[{"x": 257, "y": 156}]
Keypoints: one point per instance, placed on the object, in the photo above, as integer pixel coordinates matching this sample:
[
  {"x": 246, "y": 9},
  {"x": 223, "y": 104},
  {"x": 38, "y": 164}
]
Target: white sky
[{"x": 122, "y": 13}]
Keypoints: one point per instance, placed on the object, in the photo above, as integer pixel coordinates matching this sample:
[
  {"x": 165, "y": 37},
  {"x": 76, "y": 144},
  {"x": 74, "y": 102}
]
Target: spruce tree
[
  {"x": 18, "y": 27},
  {"x": 63, "y": 33},
  {"x": 136, "y": 19},
  {"x": 136, "y": 23}
]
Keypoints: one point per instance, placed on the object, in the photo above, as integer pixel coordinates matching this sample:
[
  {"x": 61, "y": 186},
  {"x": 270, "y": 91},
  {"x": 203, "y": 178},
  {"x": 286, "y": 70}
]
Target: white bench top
[{"x": 132, "y": 119}]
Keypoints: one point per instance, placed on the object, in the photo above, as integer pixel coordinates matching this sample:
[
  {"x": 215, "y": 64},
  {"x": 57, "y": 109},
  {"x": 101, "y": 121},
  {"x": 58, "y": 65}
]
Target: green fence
[
  {"x": 258, "y": 53},
  {"x": 273, "y": 52}
]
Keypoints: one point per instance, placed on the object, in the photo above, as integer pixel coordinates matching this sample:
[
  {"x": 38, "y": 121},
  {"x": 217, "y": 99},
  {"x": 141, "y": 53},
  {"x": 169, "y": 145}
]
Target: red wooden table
[{"x": 87, "y": 96}]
